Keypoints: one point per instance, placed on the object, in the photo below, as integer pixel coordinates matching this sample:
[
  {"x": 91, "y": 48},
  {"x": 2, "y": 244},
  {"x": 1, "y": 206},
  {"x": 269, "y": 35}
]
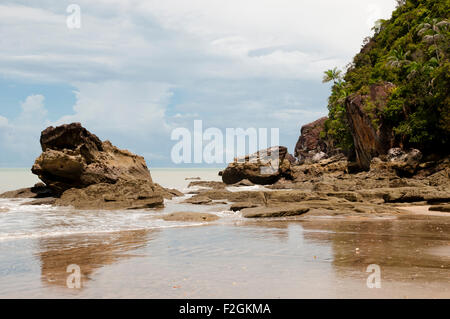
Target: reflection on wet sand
[
  {"x": 238, "y": 258},
  {"x": 410, "y": 247},
  {"x": 403, "y": 246},
  {"x": 88, "y": 252}
]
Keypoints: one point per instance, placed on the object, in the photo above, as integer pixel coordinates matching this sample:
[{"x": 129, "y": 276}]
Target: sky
[{"x": 136, "y": 70}]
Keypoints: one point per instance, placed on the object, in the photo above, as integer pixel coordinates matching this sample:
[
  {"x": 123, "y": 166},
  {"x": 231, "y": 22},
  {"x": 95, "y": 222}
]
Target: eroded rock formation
[
  {"x": 371, "y": 136},
  {"x": 82, "y": 171},
  {"x": 309, "y": 145},
  {"x": 263, "y": 167},
  {"x": 72, "y": 157}
]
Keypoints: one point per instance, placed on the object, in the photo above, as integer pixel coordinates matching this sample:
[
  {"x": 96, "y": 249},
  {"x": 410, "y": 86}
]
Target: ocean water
[
  {"x": 14, "y": 178},
  {"x": 136, "y": 254},
  {"x": 22, "y": 221}
]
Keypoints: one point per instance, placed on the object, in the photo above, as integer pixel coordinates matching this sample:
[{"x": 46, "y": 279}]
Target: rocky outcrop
[
  {"x": 327, "y": 188},
  {"x": 405, "y": 163},
  {"x": 133, "y": 194},
  {"x": 371, "y": 136},
  {"x": 81, "y": 171},
  {"x": 39, "y": 190},
  {"x": 72, "y": 157},
  {"x": 310, "y": 146},
  {"x": 199, "y": 200},
  {"x": 263, "y": 167},
  {"x": 207, "y": 184},
  {"x": 440, "y": 208},
  {"x": 267, "y": 212}
]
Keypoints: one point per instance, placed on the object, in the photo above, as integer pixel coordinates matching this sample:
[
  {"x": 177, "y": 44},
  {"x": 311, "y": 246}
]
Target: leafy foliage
[{"x": 410, "y": 50}]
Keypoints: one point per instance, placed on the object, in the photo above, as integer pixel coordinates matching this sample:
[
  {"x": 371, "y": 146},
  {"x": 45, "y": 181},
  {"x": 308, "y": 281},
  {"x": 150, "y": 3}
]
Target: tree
[
  {"x": 332, "y": 75},
  {"x": 432, "y": 33},
  {"x": 398, "y": 58}
]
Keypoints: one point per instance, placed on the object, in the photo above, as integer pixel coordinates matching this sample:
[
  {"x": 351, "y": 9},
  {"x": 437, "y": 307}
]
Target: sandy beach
[{"x": 127, "y": 254}]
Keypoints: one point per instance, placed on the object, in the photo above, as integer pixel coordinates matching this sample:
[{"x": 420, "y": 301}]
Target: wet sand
[
  {"x": 316, "y": 258},
  {"x": 137, "y": 254}
]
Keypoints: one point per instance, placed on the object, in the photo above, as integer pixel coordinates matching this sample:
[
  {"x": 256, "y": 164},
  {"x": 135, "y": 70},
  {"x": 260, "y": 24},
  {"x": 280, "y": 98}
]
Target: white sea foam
[
  {"x": 21, "y": 221},
  {"x": 247, "y": 188},
  {"x": 31, "y": 222}
]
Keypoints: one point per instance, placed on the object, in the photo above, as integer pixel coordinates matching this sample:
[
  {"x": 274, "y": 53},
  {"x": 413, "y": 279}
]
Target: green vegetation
[{"x": 410, "y": 50}]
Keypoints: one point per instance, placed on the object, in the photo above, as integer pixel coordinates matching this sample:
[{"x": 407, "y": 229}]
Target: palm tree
[
  {"x": 398, "y": 58},
  {"x": 332, "y": 75},
  {"x": 432, "y": 33}
]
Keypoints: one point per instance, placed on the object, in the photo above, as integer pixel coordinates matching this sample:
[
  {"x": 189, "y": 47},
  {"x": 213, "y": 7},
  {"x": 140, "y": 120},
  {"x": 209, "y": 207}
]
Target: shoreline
[{"x": 280, "y": 259}]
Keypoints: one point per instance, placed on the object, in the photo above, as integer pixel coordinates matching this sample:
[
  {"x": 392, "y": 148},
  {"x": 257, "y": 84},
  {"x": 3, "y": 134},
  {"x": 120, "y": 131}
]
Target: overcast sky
[{"x": 137, "y": 69}]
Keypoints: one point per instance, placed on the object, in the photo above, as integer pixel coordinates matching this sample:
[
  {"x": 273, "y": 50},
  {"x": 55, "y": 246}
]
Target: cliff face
[
  {"x": 371, "y": 137},
  {"x": 395, "y": 92}
]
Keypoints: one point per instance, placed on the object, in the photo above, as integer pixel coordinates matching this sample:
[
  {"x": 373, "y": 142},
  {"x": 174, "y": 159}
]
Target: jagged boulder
[
  {"x": 309, "y": 145},
  {"x": 405, "y": 163},
  {"x": 72, "y": 157},
  {"x": 263, "y": 167}
]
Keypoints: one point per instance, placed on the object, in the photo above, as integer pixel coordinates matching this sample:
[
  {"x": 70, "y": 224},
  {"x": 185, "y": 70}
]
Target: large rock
[
  {"x": 310, "y": 146},
  {"x": 263, "y": 167},
  {"x": 371, "y": 136},
  {"x": 72, "y": 157},
  {"x": 405, "y": 163}
]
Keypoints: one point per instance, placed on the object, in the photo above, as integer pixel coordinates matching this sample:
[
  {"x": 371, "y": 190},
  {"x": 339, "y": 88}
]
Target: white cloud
[
  {"x": 233, "y": 63},
  {"x": 126, "y": 107},
  {"x": 306, "y": 115},
  {"x": 130, "y": 114},
  {"x": 19, "y": 137},
  {"x": 3, "y": 122},
  {"x": 179, "y": 39},
  {"x": 33, "y": 110}
]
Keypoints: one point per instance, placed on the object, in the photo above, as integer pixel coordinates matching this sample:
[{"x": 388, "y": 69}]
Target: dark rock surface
[
  {"x": 39, "y": 190},
  {"x": 370, "y": 140},
  {"x": 440, "y": 208}
]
